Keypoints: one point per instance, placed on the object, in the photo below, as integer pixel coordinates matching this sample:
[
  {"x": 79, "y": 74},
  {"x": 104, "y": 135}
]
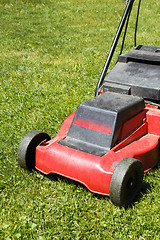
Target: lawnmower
[{"x": 113, "y": 138}]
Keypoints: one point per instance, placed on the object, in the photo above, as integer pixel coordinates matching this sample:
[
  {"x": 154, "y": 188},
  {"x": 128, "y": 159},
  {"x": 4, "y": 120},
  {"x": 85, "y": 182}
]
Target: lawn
[{"x": 51, "y": 56}]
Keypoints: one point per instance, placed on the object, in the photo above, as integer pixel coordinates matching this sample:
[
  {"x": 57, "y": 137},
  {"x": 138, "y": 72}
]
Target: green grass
[{"x": 51, "y": 56}]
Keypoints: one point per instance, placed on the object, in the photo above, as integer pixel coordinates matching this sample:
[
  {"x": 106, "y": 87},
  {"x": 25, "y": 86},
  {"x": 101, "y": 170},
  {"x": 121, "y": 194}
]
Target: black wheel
[
  {"x": 126, "y": 182},
  {"x": 27, "y": 148}
]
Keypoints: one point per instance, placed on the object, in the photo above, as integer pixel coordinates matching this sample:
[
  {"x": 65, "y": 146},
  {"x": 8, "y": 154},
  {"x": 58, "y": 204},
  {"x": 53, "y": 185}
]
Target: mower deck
[{"x": 133, "y": 135}]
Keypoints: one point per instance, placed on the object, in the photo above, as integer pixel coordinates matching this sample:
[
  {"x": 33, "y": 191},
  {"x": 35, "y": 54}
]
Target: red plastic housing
[{"x": 93, "y": 171}]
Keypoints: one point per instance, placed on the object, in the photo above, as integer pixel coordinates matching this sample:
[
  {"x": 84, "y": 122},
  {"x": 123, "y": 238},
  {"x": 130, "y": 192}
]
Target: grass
[{"x": 51, "y": 56}]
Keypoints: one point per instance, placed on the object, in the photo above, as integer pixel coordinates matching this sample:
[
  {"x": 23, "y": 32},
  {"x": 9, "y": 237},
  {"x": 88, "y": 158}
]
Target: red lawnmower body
[
  {"x": 112, "y": 139},
  {"x": 95, "y": 172}
]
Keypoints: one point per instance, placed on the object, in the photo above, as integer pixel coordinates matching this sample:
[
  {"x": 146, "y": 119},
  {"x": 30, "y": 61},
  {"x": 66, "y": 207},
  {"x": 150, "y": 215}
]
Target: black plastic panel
[
  {"x": 98, "y": 121},
  {"x": 139, "y": 70}
]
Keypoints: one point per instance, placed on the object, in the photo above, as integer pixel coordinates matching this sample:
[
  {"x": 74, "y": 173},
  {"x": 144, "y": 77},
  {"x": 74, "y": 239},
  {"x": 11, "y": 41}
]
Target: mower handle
[{"x": 114, "y": 44}]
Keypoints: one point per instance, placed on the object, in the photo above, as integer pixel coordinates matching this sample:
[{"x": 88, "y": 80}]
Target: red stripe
[{"x": 93, "y": 125}]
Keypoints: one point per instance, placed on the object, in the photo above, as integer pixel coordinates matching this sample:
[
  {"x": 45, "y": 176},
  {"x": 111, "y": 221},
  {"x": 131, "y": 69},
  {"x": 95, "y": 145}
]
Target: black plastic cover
[
  {"x": 97, "y": 122},
  {"x": 137, "y": 73}
]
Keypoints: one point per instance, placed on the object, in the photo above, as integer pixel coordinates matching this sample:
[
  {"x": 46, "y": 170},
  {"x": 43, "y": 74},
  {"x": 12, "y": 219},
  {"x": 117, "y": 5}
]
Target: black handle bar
[{"x": 114, "y": 44}]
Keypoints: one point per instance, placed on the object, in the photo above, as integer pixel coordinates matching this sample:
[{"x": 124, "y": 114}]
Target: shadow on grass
[
  {"x": 57, "y": 177},
  {"x": 145, "y": 190}
]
